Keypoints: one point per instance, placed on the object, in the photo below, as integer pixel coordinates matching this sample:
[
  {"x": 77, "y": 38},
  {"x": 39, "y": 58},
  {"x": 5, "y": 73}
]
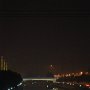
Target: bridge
[{"x": 40, "y": 79}]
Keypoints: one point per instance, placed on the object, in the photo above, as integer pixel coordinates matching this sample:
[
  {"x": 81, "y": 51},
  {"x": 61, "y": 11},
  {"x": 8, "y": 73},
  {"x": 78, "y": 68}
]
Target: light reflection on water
[
  {"x": 41, "y": 86},
  {"x": 47, "y": 86},
  {"x": 27, "y": 88}
]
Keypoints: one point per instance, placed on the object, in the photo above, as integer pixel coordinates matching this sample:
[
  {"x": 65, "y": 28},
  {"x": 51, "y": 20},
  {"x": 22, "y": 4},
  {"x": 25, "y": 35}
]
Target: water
[
  {"x": 39, "y": 86},
  {"x": 46, "y": 86},
  {"x": 49, "y": 86}
]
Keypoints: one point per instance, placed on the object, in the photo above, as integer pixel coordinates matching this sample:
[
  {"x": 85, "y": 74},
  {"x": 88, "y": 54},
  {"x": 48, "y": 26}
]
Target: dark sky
[
  {"x": 31, "y": 42},
  {"x": 43, "y": 4}
]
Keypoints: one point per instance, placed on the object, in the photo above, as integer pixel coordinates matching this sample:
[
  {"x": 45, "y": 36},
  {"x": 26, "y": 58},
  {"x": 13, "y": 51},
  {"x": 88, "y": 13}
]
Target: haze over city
[
  {"x": 29, "y": 44},
  {"x": 34, "y": 36}
]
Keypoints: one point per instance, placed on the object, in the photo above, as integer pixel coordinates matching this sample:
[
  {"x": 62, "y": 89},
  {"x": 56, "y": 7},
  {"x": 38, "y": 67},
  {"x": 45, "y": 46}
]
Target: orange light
[
  {"x": 81, "y": 73},
  {"x": 87, "y": 85}
]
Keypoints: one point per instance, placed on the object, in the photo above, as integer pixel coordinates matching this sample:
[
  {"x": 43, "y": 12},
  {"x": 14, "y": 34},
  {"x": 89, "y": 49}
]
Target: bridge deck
[{"x": 38, "y": 79}]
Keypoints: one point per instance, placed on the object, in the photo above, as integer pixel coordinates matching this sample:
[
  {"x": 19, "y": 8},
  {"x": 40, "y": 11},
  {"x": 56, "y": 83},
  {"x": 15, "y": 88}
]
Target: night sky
[{"x": 31, "y": 42}]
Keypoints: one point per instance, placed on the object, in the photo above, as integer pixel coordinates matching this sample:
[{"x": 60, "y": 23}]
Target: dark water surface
[
  {"x": 45, "y": 88},
  {"x": 38, "y": 88},
  {"x": 41, "y": 87}
]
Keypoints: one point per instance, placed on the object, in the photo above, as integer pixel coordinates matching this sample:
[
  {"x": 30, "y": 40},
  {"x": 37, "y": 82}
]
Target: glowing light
[
  {"x": 47, "y": 86},
  {"x": 67, "y": 83},
  {"x": 51, "y": 65},
  {"x": 80, "y": 85},
  {"x": 11, "y": 88},
  {"x": 19, "y": 84},
  {"x": 81, "y": 73},
  {"x": 87, "y": 85},
  {"x": 86, "y": 73}
]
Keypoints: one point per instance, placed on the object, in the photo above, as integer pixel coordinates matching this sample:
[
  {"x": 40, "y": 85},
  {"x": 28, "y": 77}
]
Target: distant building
[{"x": 3, "y": 64}]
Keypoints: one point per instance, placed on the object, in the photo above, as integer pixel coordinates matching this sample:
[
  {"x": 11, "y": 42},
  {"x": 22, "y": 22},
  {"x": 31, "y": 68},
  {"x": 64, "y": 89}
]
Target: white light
[
  {"x": 11, "y": 88},
  {"x": 8, "y": 89},
  {"x": 80, "y": 85},
  {"x": 47, "y": 86},
  {"x": 55, "y": 89},
  {"x": 19, "y": 84},
  {"x": 67, "y": 83}
]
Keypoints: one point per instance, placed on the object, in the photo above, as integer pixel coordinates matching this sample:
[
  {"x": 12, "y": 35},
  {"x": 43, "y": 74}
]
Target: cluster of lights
[
  {"x": 70, "y": 74},
  {"x": 14, "y": 87},
  {"x": 52, "y": 88},
  {"x": 69, "y": 83},
  {"x": 86, "y": 85},
  {"x": 11, "y": 88},
  {"x": 80, "y": 85}
]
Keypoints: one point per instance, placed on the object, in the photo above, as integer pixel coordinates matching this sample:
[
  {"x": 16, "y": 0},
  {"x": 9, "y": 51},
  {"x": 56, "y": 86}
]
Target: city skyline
[
  {"x": 34, "y": 36},
  {"x": 29, "y": 60}
]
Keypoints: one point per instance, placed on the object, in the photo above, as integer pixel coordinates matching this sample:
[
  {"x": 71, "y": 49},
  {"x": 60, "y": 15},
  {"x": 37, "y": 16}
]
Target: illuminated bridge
[{"x": 40, "y": 79}]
